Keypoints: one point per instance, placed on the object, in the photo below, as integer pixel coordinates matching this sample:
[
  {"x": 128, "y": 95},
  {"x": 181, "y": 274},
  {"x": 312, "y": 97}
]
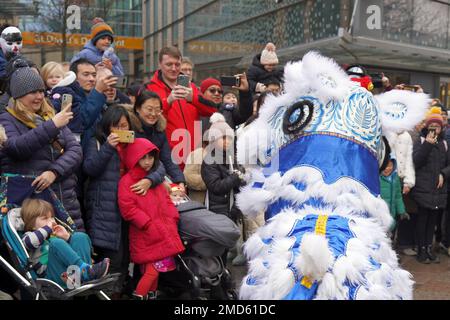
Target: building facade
[
  {"x": 43, "y": 38},
  {"x": 408, "y": 40}
]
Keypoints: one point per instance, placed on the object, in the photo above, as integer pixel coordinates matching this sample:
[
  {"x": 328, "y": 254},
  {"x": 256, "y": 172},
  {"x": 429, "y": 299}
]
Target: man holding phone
[
  {"x": 88, "y": 93},
  {"x": 183, "y": 105}
]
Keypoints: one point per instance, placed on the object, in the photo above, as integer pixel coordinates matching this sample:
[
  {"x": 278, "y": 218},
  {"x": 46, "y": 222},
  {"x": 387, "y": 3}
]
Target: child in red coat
[{"x": 153, "y": 218}]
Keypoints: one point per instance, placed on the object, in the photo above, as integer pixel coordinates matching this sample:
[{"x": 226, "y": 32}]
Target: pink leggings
[{"x": 148, "y": 281}]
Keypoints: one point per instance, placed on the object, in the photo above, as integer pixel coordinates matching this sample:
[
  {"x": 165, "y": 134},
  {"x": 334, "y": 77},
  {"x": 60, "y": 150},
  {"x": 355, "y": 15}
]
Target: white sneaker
[{"x": 409, "y": 252}]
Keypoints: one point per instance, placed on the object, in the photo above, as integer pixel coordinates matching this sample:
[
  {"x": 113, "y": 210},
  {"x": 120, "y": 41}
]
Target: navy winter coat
[
  {"x": 104, "y": 221},
  {"x": 3, "y": 63},
  {"x": 30, "y": 152},
  {"x": 86, "y": 108}
]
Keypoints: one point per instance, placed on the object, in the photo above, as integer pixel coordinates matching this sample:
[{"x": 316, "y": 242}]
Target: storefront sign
[
  {"x": 221, "y": 47},
  {"x": 77, "y": 40}
]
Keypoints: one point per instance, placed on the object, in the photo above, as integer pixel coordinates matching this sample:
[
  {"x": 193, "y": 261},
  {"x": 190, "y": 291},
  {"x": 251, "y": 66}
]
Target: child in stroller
[
  {"x": 206, "y": 236},
  {"x": 53, "y": 249},
  {"x": 39, "y": 275}
]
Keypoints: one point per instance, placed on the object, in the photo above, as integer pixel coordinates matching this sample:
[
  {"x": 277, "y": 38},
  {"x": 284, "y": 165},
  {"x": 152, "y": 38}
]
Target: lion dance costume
[{"x": 316, "y": 151}]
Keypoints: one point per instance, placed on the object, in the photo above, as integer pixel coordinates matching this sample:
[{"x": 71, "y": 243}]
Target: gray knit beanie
[
  {"x": 23, "y": 81},
  {"x": 219, "y": 128}
]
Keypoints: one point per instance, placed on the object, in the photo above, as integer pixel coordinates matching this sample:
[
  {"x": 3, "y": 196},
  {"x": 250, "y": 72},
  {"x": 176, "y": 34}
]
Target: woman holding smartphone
[
  {"x": 105, "y": 226},
  {"x": 432, "y": 163},
  {"x": 39, "y": 142},
  {"x": 148, "y": 108}
]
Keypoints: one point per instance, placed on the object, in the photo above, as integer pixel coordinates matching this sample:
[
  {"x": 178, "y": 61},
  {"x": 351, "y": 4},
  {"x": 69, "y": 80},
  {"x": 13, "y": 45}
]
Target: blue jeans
[{"x": 63, "y": 254}]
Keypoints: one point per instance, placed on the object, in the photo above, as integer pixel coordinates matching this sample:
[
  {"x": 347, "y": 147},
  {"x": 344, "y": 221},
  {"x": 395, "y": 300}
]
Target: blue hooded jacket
[
  {"x": 94, "y": 55},
  {"x": 86, "y": 109},
  {"x": 3, "y": 63}
]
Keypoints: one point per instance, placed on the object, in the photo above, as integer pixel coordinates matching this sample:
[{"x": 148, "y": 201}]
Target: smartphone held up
[
  {"x": 66, "y": 102},
  {"x": 125, "y": 136},
  {"x": 230, "y": 81},
  {"x": 183, "y": 80}
]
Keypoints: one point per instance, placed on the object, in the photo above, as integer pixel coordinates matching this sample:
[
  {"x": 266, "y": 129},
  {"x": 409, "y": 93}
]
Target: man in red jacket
[{"x": 182, "y": 106}]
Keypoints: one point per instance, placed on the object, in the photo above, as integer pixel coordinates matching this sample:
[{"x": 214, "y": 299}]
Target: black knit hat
[{"x": 23, "y": 81}]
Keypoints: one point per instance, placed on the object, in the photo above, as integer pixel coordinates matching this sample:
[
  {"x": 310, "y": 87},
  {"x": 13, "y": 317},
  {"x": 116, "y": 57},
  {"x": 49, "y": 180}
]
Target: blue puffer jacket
[
  {"x": 104, "y": 221},
  {"x": 159, "y": 139},
  {"x": 94, "y": 55},
  {"x": 3, "y": 64},
  {"x": 29, "y": 151},
  {"x": 86, "y": 108}
]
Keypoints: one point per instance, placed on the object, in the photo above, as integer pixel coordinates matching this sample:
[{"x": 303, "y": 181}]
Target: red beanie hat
[{"x": 208, "y": 83}]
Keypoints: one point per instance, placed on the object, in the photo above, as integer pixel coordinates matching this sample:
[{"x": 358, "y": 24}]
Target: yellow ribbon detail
[
  {"x": 321, "y": 225},
  {"x": 306, "y": 282},
  {"x": 321, "y": 228}
]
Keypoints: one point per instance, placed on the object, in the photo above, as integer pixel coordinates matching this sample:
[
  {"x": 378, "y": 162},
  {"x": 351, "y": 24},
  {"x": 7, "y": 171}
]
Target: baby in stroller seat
[
  {"x": 206, "y": 236},
  {"x": 53, "y": 250}
]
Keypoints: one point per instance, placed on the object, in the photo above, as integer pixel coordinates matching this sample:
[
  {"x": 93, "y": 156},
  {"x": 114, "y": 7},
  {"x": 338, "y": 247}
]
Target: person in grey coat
[{"x": 39, "y": 142}]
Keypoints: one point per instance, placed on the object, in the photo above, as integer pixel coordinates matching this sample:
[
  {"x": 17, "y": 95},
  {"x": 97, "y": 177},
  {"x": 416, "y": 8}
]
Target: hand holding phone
[
  {"x": 66, "y": 102},
  {"x": 230, "y": 81},
  {"x": 125, "y": 136},
  {"x": 183, "y": 80},
  {"x": 121, "y": 82}
]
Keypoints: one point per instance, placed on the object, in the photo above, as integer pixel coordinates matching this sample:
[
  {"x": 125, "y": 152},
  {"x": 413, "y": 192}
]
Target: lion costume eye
[{"x": 297, "y": 117}]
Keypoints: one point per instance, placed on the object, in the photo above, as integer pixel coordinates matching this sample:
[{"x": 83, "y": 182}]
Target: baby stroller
[
  {"x": 200, "y": 270},
  {"x": 19, "y": 266}
]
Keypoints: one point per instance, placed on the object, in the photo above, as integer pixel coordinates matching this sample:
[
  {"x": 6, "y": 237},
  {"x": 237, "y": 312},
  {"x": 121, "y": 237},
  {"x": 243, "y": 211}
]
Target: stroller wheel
[
  {"x": 195, "y": 287},
  {"x": 227, "y": 282}
]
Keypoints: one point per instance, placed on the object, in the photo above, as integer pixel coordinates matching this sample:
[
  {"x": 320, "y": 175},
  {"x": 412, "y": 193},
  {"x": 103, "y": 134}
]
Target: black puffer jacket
[
  {"x": 430, "y": 160},
  {"x": 220, "y": 182},
  {"x": 256, "y": 73},
  {"x": 239, "y": 114}
]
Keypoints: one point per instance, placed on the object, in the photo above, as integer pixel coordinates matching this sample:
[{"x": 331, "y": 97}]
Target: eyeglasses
[
  {"x": 155, "y": 112},
  {"x": 214, "y": 91},
  {"x": 121, "y": 127}
]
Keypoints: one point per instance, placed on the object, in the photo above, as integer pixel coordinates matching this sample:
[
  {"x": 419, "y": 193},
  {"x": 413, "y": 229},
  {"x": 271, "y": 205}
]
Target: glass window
[
  {"x": 155, "y": 15},
  {"x": 164, "y": 12},
  {"x": 175, "y": 10}
]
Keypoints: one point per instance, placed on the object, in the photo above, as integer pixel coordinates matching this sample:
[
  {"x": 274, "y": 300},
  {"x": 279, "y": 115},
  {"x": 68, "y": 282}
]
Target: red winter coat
[
  {"x": 182, "y": 115},
  {"x": 153, "y": 218}
]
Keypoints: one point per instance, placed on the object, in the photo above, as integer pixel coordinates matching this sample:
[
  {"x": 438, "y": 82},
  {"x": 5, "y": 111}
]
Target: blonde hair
[
  {"x": 23, "y": 114},
  {"x": 51, "y": 68},
  {"x": 186, "y": 60},
  {"x": 33, "y": 209}
]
